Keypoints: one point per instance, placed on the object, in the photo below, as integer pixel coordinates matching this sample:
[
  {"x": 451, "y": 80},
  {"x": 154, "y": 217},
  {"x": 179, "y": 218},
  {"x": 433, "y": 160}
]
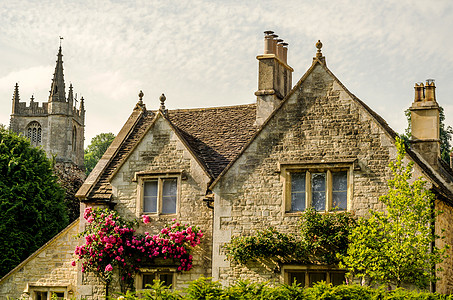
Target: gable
[
  {"x": 320, "y": 121},
  {"x": 159, "y": 151}
]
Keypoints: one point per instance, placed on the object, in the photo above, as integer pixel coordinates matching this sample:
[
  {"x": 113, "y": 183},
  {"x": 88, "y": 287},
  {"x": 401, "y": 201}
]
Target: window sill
[{"x": 298, "y": 213}]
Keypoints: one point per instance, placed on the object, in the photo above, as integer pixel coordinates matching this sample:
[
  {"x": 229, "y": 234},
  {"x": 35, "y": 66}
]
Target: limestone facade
[{"x": 46, "y": 271}]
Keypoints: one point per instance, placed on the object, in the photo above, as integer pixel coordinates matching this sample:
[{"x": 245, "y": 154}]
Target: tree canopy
[
  {"x": 396, "y": 246},
  {"x": 32, "y": 210},
  {"x": 96, "y": 149}
]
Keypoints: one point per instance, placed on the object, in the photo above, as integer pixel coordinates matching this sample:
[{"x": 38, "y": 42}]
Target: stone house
[{"x": 234, "y": 170}]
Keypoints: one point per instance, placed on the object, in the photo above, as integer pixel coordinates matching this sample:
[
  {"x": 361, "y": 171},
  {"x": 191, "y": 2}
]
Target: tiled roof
[
  {"x": 215, "y": 135},
  {"x": 102, "y": 188}
]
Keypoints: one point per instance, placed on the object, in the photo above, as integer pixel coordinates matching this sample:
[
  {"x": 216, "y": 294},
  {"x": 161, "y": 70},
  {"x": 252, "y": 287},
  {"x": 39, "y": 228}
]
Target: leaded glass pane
[
  {"x": 297, "y": 277},
  {"x": 315, "y": 277},
  {"x": 318, "y": 195},
  {"x": 150, "y": 197},
  {"x": 298, "y": 202},
  {"x": 297, "y": 191},
  {"x": 339, "y": 200},
  {"x": 337, "y": 278},
  {"x": 339, "y": 181},
  {"x": 339, "y": 190},
  {"x": 148, "y": 279},
  {"x": 39, "y": 135},
  {"x": 319, "y": 200},
  {"x": 298, "y": 182},
  {"x": 169, "y": 191},
  {"x": 318, "y": 181},
  {"x": 166, "y": 279}
]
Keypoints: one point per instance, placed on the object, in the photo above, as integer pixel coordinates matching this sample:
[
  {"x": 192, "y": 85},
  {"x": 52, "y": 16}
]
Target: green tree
[
  {"x": 395, "y": 246},
  {"x": 96, "y": 149},
  {"x": 31, "y": 201}
]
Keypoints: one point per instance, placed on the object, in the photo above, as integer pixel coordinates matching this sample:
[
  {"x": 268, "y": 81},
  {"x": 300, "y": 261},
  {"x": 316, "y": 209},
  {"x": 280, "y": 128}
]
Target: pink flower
[
  {"x": 108, "y": 268},
  {"x": 73, "y": 263},
  {"x": 146, "y": 219}
]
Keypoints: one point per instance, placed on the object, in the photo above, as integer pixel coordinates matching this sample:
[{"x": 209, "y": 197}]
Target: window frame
[
  {"x": 142, "y": 177},
  {"x": 155, "y": 272},
  {"x": 33, "y": 289},
  {"x": 307, "y": 269},
  {"x": 311, "y": 168}
]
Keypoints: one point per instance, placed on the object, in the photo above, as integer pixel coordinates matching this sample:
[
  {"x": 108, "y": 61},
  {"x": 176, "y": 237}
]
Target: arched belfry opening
[
  {"x": 34, "y": 133},
  {"x": 74, "y": 139}
]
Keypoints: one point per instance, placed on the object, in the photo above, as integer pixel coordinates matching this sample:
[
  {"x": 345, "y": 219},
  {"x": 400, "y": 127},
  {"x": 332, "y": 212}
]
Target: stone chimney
[
  {"x": 425, "y": 123},
  {"x": 274, "y": 76}
]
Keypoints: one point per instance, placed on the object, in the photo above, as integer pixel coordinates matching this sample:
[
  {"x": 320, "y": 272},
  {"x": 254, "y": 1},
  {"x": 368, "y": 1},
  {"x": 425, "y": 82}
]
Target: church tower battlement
[{"x": 58, "y": 126}]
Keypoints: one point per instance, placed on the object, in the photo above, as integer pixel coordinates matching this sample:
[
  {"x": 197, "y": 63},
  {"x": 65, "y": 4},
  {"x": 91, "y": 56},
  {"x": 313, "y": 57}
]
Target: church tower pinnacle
[
  {"x": 57, "y": 89},
  {"x": 16, "y": 98}
]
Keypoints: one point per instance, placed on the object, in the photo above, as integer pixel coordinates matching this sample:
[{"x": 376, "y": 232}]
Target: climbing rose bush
[{"x": 112, "y": 245}]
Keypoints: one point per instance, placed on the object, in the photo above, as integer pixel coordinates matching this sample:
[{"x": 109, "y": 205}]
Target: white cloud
[{"x": 202, "y": 53}]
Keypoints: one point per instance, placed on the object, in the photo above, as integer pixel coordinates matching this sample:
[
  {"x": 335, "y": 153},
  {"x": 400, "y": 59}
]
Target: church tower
[{"x": 58, "y": 126}]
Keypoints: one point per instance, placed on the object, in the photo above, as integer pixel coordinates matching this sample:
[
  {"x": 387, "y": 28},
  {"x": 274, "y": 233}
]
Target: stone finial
[
  {"x": 140, "y": 97},
  {"x": 140, "y": 105},
  {"x": 319, "y": 56},
  {"x": 32, "y": 99},
  {"x": 319, "y": 46},
  {"x": 162, "y": 99}
]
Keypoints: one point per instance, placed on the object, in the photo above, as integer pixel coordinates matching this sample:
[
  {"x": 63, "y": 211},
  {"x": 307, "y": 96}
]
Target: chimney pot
[
  {"x": 430, "y": 90},
  {"x": 274, "y": 43},
  {"x": 285, "y": 52},
  {"x": 279, "y": 49},
  {"x": 268, "y": 43},
  {"x": 419, "y": 92}
]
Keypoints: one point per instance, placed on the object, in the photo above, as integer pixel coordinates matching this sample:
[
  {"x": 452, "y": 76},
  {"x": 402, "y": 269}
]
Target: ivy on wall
[{"x": 321, "y": 238}]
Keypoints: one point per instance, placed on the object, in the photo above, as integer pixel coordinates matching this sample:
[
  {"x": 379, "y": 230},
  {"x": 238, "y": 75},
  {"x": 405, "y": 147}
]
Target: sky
[{"x": 203, "y": 53}]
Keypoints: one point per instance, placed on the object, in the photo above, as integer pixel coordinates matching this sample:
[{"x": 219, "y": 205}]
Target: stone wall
[
  {"x": 160, "y": 152},
  {"x": 319, "y": 123},
  {"x": 444, "y": 227},
  {"x": 48, "y": 268}
]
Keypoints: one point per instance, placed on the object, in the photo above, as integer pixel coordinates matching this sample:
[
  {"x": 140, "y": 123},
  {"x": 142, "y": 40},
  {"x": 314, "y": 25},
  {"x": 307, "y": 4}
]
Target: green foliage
[
  {"x": 70, "y": 179},
  {"x": 445, "y": 136},
  {"x": 265, "y": 243},
  {"x": 204, "y": 288},
  {"x": 395, "y": 247},
  {"x": 96, "y": 149},
  {"x": 324, "y": 236},
  {"x": 159, "y": 291},
  {"x": 32, "y": 210},
  {"x": 321, "y": 237}
]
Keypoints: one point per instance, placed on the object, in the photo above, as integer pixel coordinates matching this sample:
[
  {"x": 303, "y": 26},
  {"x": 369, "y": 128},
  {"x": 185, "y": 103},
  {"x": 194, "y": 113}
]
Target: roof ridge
[{"x": 210, "y": 108}]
